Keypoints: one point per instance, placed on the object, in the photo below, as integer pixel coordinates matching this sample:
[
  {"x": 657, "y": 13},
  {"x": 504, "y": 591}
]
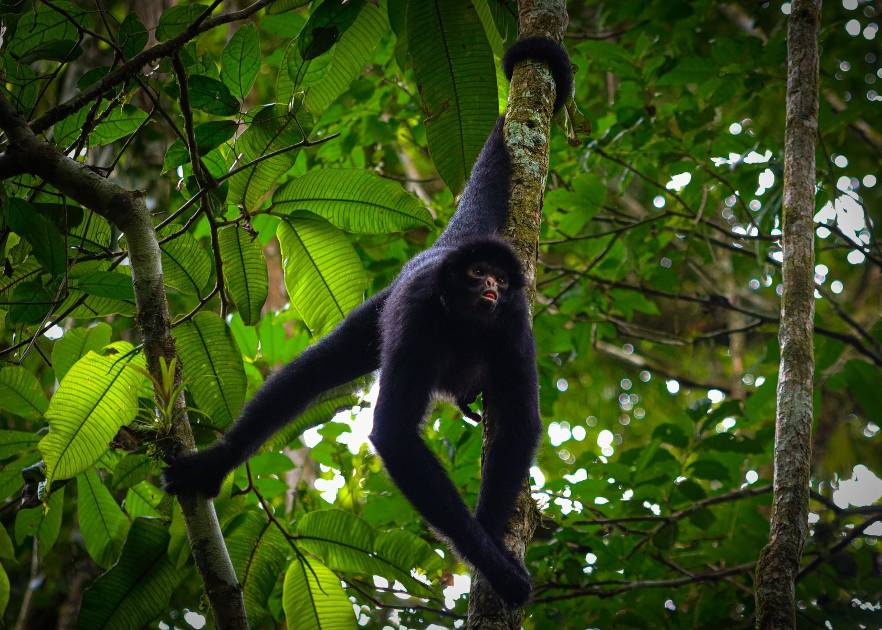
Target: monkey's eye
[
  {"x": 501, "y": 280},
  {"x": 476, "y": 271}
]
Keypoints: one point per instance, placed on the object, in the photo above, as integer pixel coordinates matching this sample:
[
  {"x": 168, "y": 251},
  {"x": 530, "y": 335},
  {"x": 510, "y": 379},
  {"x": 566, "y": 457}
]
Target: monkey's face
[{"x": 486, "y": 286}]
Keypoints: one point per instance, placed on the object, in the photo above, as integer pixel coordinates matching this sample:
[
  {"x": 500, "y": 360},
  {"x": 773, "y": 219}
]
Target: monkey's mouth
[{"x": 490, "y": 296}]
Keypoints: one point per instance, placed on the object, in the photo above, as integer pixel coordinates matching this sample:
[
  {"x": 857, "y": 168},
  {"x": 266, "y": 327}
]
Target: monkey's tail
[
  {"x": 549, "y": 52},
  {"x": 350, "y": 351}
]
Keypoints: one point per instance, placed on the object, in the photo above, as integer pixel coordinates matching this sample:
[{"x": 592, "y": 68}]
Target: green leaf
[
  {"x": 240, "y": 61},
  {"x": 98, "y": 395},
  {"x": 709, "y": 470},
  {"x": 186, "y": 265},
  {"x": 143, "y": 499},
  {"x": 91, "y": 234},
  {"x": 258, "y": 551},
  {"x": 46, "y": 241},
  {"x": 120, "y": 123},
  {"x": 62, "y": 50},
  {"x": 138, "y": 588},
  {"x": 353, "y": 200},
  {"x": 313, "y": 598},
  {"x": 132, "y": 36},
  {"x": 16, "y": 442},
  {"x": 245, "y": 275},
  {"x": 21, "y": 393},
  {"x": 4, "y": 590},
  {"x": 75, "y": 343},
  {"x": 44, "y": 525},
  {"x": 42, "y": 25},
  {"x": 176, "y": 19},
  {"x": 325, "y": 26},
  {"x": 666, "y": 536},
  {"x": 7, "y": 548},
  {"x": 109, "y": 284},
  {"x": 329, "y": 404},
  {"x": 209, "y": 136},
  {"x": 131, "y": 470},
  {"x": 690, "y": 70},
  {"x": 328, "y": 79},
  {"x": 273, "y": 128},
  {"x": 212, "y": 96},
  {"x": 102, "y": 523},
  {"x": 323, "y": 273},
  {"x": 212, "y": 367},
  {"x": 456, "y": 77}
]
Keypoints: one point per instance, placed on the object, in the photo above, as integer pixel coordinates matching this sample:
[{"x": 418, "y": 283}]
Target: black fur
[{"x": 433, "y": 331}]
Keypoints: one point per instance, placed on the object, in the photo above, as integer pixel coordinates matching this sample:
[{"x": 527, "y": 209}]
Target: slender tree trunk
[
  {"x": 527, "y": 136},
  {"x": 127, "y": 211},
  {"x": 778, "y": 564}
]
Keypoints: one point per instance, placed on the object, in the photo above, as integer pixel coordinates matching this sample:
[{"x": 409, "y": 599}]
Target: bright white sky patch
[
  {"x": 679, "y": 181},
  {"x": 56, "y": 332},
  {"x": 673, "y": 386}
]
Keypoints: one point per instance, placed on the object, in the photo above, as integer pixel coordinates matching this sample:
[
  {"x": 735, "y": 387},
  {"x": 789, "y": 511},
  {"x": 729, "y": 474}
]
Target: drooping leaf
[
  {"x": 75, "y": 343},
  {"x": 119, "y": 124},
  {"x": 258, "y": 551},
  {"x": 456, "y": 77},
  {"x": 176, "y": 19},
  {"x": 326, "y": 407},
  {"x": 186, "y": 265},
  {"x": 42, "y": 525},
  {"x": 138, "y": 587},
  {"x": 143, "y": 499},
  {"x": 16, "y": 442},
  {"x": 212, "y": 367},
  {"x": 132, "y": 36},
  {"x": 46, "y": 241},
  {"x": 240, "y": 61},
  {"x": 273, "y": 128},
  {"x": 323, "y": 274},
  {"x": 353, "y": 200},
  {"x": 313, "y": 598},
  {"x": 211, "y": 96},
  {"x": 20, "y": 392},
  {"x": 102, "y": 523},
  {"x": 245, "y": 275},
  {"x": 98, "y": 395}
]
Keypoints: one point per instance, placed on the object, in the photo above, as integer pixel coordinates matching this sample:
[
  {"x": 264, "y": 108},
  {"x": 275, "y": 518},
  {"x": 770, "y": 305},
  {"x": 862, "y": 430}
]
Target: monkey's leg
[
  {"x": 348, "y": 352},
  {"x": 513, "y": 408},
  {"x": 404, "y": 395}
]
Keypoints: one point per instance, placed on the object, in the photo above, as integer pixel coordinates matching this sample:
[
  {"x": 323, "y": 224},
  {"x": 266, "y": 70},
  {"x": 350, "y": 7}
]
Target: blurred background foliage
[{"x": 333, "y": 140}]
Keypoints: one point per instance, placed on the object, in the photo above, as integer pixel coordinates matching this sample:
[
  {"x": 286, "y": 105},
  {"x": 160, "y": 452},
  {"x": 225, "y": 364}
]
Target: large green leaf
[
  {"x": 273, "y": 128},
  {"x": 323, "y": 274},
  {"x": 20, "y": 392},
  {"x": 328, "y": 76},
  {"x": 16, "y": 442},
  {"x": 120, "y": 123},
  {"x": 44, "y": 525},
  {"x": 245, "y": 276},
  {"x": 326, "y": 407},
  {"x": 107, "y": 284},
  {"x": 212, "y": 96},
  {"x": 76, "y": 343},
  {"x": 240, "y": 61},
  {"x": 97, "y": 396},
  {"x": 258, "y": 551},
  {"x": 143, "y": 499},
  {"x": 138, "y": 588},
  {"x": 313, "y": 598},
  {"x": 4, "y": 590},
  {"x": 102, "y": 523},
  {"x": 176, "y": 19},
  {"x": 186, "y": 265},
  {"x": 456, "y": 77},
  {"x": 212, "y": 367},
  {"x": 353, "y": 200},
  {"x": 43, "y": 24},
  {"x": 46, "y": 241}
]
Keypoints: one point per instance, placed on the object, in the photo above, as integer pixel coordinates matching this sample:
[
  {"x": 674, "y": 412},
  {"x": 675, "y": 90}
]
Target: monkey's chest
[{"x": 462, "y": 376}]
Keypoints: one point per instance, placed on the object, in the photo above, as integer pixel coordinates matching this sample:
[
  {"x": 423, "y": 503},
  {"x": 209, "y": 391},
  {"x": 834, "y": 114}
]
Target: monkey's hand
[{"x": 196, "y": 473}]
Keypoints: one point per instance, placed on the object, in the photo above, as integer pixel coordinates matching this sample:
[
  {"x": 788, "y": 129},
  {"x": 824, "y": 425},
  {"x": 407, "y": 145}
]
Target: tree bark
[
  {"x": 127, "y": 211},
  {"x": 778, "y": 564},
  {"x": 527, "y": 135}
]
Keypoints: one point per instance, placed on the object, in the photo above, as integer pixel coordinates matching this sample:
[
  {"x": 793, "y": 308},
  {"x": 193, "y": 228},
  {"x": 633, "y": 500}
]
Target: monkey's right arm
[{"x": 350, "y": 351}]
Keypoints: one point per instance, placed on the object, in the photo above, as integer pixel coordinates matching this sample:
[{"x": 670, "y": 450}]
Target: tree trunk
[
  {"x": 527, "y": 136},
  {"x": 778, "y": 564},
  {"x": 127, "y": 211}
]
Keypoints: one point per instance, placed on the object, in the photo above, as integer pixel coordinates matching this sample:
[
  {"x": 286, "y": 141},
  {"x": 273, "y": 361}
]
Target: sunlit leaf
[
  {"x": 313, "y": 598},
  {"x": 102, "y": 523},
  {"x": 75, "y": 343},
  {"x": 20, "y": 392},
  {"x": 245, "y": 275},
  {"x": 240, "y": 61}
]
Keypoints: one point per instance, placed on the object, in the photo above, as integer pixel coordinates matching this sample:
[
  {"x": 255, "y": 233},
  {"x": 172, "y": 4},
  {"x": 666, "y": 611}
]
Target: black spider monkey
[{"x": 455, "y": 321}]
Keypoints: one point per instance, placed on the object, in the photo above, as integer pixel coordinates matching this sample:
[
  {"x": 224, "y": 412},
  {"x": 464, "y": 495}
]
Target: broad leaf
[
  {"x": 456, "y": 77},
  {"x": 323, "y": 273},
  {"x": 313, "y": 598},
  {"x": 75, "y": 343},
  {"x": 245, "y": 275},
  {"x": 42, "y": 24},
  {"x": 102, "y": 523},
  {"x": 326, "y": 407},
  {"x": 21, "y": 393},
  {"x": 176, "y": 19},
  {"x": 258, "y": 551},
  {"x": 108, "y": 284},
  {"x": 186, "y": 265},
  {"x": 98, "y": 395},
  {"x": 211, "y": 96},
  {"x": 212, "y": 366},
  {"x": 46, "y": 241},
  {"x": 138, "y": 588},
  {"x": 353, "y": 200},
  {"x": 240, "y": 61},
  {"x": 119, "y": 124},
  {"x": 209, "y": 136},
  {"x": 44, "y": 525},
  {"x": 132, "y": 36},
  {"x": 16, "y": 442}
]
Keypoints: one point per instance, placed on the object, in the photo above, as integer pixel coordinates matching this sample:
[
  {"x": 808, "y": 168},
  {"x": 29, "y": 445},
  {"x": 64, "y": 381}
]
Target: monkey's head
[{"x": 480, "y": 277}]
